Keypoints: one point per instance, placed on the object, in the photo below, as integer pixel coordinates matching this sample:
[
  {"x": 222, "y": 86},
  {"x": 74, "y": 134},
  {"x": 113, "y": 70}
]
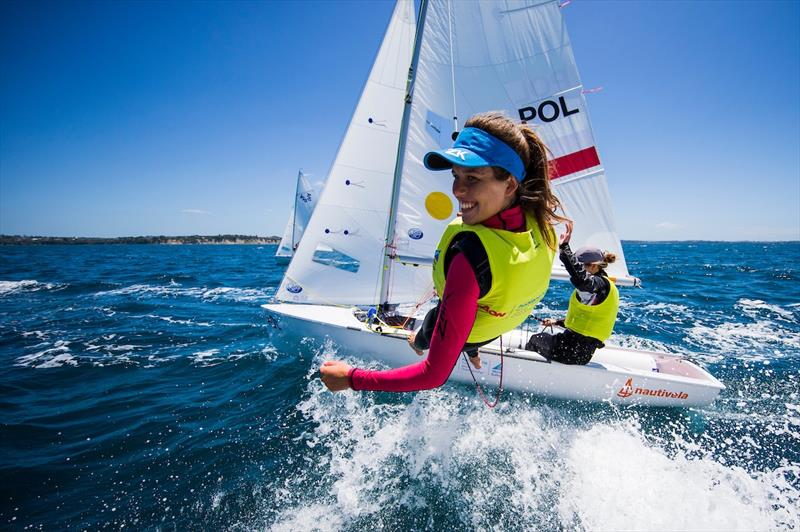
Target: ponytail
[{"x": 535, "y": 194}]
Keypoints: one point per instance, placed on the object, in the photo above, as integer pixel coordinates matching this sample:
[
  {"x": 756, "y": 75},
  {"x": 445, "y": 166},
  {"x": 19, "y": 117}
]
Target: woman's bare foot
[
  {"x": 411, "y": 338},
  {"x": 475, "y": 361}
]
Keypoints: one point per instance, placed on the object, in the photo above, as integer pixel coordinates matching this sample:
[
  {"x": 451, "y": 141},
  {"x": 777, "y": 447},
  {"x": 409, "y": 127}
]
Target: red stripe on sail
[{"x": 574, "y": 162}]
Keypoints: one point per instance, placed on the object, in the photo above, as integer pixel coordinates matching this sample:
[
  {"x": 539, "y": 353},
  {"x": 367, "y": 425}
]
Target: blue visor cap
[{"x": 473, "y": 148}]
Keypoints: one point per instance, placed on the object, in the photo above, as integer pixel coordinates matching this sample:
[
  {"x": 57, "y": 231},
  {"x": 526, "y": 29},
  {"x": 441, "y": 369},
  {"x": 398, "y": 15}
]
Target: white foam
[
  {"x": 176, "y": 321},
  {"x": 664, "y": 312},
  {"x": 756, "y": 307},
  {"x": 270, "y": 353},
  {"x": 125, "y": 347},
  {"x": 617, "y": 481},
  {"x": 239, "y": 294},
  {"x": 52, "y": 357},
  {"x": 640, "y": 343},
  {"x": 27, "y": 285},
  {"x": 761, "y": 340},
  {"x": 157, "y": 290},
  {"x": 37, "y": 334},
  {"x": 206, "y": 358},
  {"x": 58, "y": 360},
  {"x": 668, "y": 307},
  {"x": 518, "y": 466},
  {"x": 315, "y": 517},
  {"x": 210, "y": 294}
]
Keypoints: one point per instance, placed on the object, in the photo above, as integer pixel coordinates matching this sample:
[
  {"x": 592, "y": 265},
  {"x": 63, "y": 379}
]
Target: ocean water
[{"x": 143, "y": 387}]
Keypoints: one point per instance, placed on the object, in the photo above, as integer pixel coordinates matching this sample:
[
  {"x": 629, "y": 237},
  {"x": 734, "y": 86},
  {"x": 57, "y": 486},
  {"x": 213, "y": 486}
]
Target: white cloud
[{"x": 194, "y": 211}]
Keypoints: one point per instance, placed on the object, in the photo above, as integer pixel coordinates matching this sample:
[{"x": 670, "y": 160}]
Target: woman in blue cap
[
  {"x": 592, "y": 311},
  {"x": 493, "y": 262}
]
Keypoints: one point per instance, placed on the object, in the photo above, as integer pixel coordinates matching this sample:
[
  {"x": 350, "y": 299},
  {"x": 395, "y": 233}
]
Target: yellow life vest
[
  {"x": 596, "y": 321},
  {"x": 520, "y": 264}
]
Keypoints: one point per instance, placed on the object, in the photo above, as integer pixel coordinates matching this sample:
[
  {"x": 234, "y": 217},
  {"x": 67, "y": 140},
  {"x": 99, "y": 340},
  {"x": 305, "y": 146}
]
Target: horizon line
[{"x": 276, "y": 237}]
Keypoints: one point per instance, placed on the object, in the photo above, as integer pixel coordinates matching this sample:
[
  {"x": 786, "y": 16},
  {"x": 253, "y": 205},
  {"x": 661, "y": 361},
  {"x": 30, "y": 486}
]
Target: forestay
[{"x": 340, "y": 257}]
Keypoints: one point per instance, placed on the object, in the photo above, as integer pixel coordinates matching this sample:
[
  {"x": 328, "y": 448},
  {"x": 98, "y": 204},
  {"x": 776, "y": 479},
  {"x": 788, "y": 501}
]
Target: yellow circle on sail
[{"x": 439, "y": 205}]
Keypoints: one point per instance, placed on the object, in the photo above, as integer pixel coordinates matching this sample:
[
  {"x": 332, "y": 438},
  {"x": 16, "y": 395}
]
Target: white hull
[{"x": 615, "y": 375}]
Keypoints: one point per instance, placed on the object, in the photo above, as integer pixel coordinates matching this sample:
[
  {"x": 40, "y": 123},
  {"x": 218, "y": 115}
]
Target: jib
[{"x": 547, "y": 111}]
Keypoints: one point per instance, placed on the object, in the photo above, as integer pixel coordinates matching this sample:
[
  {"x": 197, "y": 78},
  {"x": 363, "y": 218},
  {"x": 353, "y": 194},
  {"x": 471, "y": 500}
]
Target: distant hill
[{"x": 193, "y": 239}]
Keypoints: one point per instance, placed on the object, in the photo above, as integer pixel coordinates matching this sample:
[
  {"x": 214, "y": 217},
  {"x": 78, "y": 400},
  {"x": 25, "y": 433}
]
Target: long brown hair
[{"x": 534, "y": 193}]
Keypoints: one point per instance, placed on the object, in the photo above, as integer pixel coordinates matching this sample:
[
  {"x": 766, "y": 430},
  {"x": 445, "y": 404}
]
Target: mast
[{"x": 389, "y": 253}]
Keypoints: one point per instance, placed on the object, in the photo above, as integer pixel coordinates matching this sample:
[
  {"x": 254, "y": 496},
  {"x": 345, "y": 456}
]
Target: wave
[
  {"x": 53, "y": 357},
  {"x": 111, "y": 350},
  {"x": 641, "y": 343},
  {"x": 523, "y": 465},
  {"x": 756, "y": 307},
  {"x": 177, "y": 321},
  {"x": 761, "y": 340},
  {"x": 28, "y": 285},
  {"x": 175, "y": 290},
  {"x": 612, "y": 465}
]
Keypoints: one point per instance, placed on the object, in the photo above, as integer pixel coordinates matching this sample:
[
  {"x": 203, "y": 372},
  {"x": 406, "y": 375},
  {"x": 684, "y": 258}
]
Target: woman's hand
[
  {"x": 411, "y": 337},
  {"x": 549, "y": 322},
  {"x": 334, "y": 375},
  {"x": 564, "y": 238}
]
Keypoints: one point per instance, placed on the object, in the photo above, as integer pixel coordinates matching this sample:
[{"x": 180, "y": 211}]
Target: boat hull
[{"x": 615, "y": 375}]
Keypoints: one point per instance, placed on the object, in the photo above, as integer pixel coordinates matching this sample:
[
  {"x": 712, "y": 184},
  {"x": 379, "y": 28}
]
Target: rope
[
  {"x": 425, "y": 298},
  {"x": 480, "y": 390}
]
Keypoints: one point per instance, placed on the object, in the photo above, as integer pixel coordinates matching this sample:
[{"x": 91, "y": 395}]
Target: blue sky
[{"x": 136, "y": 118}]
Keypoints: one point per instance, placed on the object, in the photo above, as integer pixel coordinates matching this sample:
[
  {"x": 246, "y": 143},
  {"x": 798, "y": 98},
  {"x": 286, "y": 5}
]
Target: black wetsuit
[{"x": 570, "y": 347}]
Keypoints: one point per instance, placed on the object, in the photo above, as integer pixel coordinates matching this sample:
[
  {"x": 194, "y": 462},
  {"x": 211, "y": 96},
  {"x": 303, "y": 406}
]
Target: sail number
[{"x": 547, "y": 111}]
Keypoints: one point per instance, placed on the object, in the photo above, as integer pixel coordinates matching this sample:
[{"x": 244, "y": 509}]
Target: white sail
[
  {"x": 286, "y": 246},
  {"x": 305, "y": 199},
  {"x": 508, "y": 55},
  {"x": 339, "y": 259}
]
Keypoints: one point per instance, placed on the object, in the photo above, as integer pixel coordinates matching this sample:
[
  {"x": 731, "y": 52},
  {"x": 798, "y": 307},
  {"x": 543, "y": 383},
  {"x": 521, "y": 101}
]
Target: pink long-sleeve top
[{"x": 457, "y": 310}]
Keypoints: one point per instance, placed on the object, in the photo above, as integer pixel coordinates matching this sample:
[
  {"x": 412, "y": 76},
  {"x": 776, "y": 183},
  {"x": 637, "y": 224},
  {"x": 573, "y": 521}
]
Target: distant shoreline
[
  {"x": 6, "y": 240},
  {"x": 11, "y": 240}
]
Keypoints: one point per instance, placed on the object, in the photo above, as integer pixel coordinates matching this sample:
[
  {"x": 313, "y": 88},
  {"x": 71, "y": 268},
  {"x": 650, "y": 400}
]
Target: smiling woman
[
  {"x": 493, "y": 262},
  {"x": 480, "y": 194}
]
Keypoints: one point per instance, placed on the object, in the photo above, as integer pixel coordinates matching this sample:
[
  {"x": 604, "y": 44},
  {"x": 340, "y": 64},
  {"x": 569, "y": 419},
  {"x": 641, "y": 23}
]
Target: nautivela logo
[{"x": 627, "y": 390}]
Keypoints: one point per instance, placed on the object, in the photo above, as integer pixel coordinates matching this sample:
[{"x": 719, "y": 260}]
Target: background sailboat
[
  {"x": 372, "y": 238},
  {"x": 305, "y": 200}
]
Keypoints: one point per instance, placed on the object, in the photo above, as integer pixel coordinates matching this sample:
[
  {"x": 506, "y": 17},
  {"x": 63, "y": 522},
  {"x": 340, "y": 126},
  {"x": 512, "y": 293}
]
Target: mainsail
[
  {"x": 305, "y": 199},
  {"x": 513, "y": 56},
  {"x": 382, "y": 213}
]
